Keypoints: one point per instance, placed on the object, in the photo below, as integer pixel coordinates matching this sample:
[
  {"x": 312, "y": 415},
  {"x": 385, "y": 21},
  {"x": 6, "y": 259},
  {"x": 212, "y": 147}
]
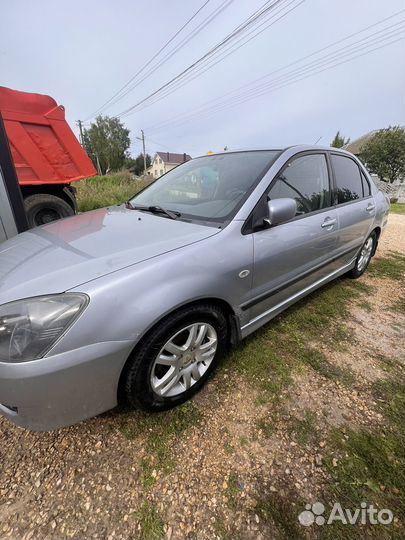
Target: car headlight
[{"x": 30, "y": 327}]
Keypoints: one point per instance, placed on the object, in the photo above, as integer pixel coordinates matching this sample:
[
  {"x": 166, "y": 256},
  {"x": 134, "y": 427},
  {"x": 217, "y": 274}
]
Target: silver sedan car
[{"x": 140, "y": 300}]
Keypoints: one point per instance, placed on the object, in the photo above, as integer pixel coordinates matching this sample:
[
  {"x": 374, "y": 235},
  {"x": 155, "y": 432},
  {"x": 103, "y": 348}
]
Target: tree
[
  {"x": 384, "y": 153},
  {"x": 129, "y": 163},
  {"x": 107, "y": 142},
  {"x": 339, "y": 140},
  {"x": 137, "y": 166}
]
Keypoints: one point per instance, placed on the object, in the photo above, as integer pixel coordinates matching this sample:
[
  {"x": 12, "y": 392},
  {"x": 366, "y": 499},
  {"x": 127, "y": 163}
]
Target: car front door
[
  {"x": 355, "y": 204},
  {"x": 293, "y": 256}
]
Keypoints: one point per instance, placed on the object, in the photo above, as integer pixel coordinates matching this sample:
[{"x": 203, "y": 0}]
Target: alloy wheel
[
  {"x": 365, "y": 254},
  {"x": 184, "y": 359}
]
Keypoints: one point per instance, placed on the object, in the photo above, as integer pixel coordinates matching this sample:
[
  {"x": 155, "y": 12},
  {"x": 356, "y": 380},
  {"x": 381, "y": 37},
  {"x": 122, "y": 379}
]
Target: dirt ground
[{"x": 94, "y": 481}]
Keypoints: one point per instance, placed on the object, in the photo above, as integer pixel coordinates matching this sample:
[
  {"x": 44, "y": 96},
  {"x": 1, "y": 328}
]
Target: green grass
[
  {"x": 150, "y": 522},
  {"x": 398, "y": 306},
  {"x": 390, "y": 394},
  {"x": 220, "y": 528},
  {"x": 159, "y": 431},
  {"x": 389, "y": 364},
  {"x": 370, "y": 469},
  {"x": 392, "y": 266},
  {"x": 243, "y": 441},
  {"x": 365, "y": 305},
  {"x": 148, "y": 478},
  {"x": 101, "y": 191},
  {"x": 282, "y": 512},
  {"x": 370, "y": 466},
  {"x": 289, "y": 342},
  {"x": 304, "y": 429},
  {"x": 267, "y": 426},
  {"x": 233, "y": 491},
  {"x": 397, "y": 208},
  {"x": 229, "y": 448},
  {"x": 366, "y": 460},
  {"x": 369, "y": 460},
  {"x": 319, "y": 363}
]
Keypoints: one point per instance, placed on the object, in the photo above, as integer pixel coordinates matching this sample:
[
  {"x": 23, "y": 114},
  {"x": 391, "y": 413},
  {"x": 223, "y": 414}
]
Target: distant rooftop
[
  {"x": 355, "y": 146},
  {"x": 170, "y": 157}
]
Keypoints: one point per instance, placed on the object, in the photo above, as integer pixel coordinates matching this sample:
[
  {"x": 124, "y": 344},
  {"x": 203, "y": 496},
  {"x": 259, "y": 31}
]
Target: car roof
[{"x": 297, "y": 148}]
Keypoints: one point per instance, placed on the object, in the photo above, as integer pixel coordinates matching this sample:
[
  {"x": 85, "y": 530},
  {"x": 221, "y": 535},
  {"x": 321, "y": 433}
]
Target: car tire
[
  {"x": 364, "y": 257},
  {"x": 43, "y": 208},
  {"x": 144, "y": 373}
]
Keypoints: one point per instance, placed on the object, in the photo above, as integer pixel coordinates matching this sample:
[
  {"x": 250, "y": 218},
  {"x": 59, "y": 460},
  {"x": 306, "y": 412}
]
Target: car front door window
[{"x": 306, "y": 180}]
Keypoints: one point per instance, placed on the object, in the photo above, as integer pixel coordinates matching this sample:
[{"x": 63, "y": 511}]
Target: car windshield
[{"x": 209, "y": 188}]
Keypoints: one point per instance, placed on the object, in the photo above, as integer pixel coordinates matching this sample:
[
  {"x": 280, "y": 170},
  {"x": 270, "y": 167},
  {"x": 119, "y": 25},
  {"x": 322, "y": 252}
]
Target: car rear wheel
[
  {"x": 364, "y": 257},
  {"x": 176, "y": 358},
  {"x": 43, "y": 208}
]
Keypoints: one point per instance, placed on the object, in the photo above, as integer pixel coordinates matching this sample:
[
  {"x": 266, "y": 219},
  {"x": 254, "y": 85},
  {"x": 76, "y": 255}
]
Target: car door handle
[
  {"x": 370, "y": 207},
  {"x": 328, "y": 223}
]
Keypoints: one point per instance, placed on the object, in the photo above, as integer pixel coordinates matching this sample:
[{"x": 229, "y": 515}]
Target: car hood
[{"x": 67, "y": 253}]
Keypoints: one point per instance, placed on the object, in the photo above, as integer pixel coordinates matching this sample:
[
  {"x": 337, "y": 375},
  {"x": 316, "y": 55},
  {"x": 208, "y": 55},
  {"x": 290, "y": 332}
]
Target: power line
[
  {"x": 202, "y": 69},
  {"x": 298, "y": 71},
  {"x": 318, "y": 51},
  {"x": 295, "y": 78},
  {"x": 159, "y": 144},
  {"x": 191, "y": 35},
  {"x": 151, "y": 59},
  {"x": 170, "y": 86},
  {"x": 324, "y": 61},
  {"x": 286, "y": 83},
  {"x": 280, "y": 85},
  {"x": 241, "y": 28}
]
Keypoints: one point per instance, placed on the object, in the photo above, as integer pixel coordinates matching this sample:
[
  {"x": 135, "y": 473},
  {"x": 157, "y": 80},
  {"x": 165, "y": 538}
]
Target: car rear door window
[
  {"x": 306, "y": 180},
  {"x": 349, "y": 184}
]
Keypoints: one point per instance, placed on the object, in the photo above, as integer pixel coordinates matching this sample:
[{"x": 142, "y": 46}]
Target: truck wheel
[{"x": 43, "y": 208}]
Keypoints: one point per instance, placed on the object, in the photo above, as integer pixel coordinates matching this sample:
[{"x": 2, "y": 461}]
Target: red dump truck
[{"x": 46, "y": 154}]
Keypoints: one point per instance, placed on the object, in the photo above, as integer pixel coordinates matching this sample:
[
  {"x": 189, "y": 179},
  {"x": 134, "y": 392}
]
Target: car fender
[{"x": 124, "y": 305}]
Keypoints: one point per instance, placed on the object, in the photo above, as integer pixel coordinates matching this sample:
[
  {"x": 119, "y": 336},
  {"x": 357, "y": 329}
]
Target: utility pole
[
  {"x": 144, "y": 151},
  {"x": 79, "y": 123},
  {"x": 100, "y": 173}
]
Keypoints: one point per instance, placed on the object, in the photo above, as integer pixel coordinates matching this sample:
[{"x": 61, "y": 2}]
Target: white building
[{"x": 165, "y": 161}]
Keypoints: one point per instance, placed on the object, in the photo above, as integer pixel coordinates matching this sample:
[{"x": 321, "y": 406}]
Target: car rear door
[
  {"x": 292, "y": 256},
  {"x": 354, "y": 203}
]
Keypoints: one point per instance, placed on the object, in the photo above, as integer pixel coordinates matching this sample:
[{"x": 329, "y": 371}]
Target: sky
[{"x": 81, "y": 52}]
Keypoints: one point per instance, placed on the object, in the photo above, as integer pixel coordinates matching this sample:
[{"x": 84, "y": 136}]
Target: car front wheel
[{"x": 176, "y": 358}]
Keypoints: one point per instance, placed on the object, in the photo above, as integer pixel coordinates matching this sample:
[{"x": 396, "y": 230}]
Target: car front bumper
[{"x": 63, "y": 389}]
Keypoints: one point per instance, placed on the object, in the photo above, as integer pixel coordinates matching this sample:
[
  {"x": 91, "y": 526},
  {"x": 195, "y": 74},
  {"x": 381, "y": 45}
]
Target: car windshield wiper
[{"x": 172, "y": 214}]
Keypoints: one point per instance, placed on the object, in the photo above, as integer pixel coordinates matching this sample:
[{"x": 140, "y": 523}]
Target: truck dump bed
[{"x": 43, "y": 147}]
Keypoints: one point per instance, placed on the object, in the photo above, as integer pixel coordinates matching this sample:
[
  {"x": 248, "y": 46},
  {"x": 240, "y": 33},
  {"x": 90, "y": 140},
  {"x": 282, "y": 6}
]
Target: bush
[
  {"x": 101, "y": 191},
  {"x": 393, "y": 200},
  {"x": 397, "y": 208}
]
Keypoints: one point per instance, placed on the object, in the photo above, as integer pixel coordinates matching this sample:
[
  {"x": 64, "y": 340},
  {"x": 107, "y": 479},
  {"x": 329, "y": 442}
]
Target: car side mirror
[{"x": 280, "y": 211}]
